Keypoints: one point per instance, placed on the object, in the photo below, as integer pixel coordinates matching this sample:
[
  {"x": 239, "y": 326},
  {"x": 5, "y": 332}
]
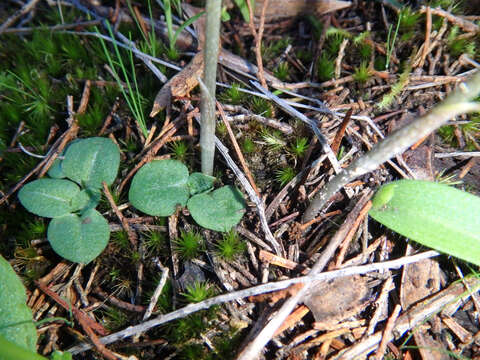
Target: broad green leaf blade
[
  {"x": 56, "y": 170},
  {"x": 79, "y": 239},
  {"x": 198, "y": 183},
  {"x": 59, "y": 355},
  {"x": 219, "y": 210},
  {"x": 49, "y": 197},
  {"x": 159, "y": 186},
  {"x": 86, "y": 199},
  {"x": 12, "y": 351},
  {"x": 242, "y": 5},
  {"x": 435, "y": 215},
  {"x": 91, "y": 161},
  {"x": 16, "y": 322}
]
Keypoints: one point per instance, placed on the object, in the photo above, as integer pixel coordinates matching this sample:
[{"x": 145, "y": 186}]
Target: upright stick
[{"x": 207, "y": 106}]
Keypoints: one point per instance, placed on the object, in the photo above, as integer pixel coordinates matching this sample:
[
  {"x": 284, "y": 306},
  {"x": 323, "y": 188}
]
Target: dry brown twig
[
  {"x": 258, "y": 39},
  {"x": 237, "y": 149},
  {"x": 252, "y": 350},
  {"x": 464, "y": 24},
  {"x": 156, "y": 146},
  {"x": 255, "y": 290},
  {"x": 86, "y": 322},
  {"x": 132, "y": 235},
  {"x": 387, "y": 333},
  {"x": 415, "y": 315},
  {"x": 18, "y": 14}
]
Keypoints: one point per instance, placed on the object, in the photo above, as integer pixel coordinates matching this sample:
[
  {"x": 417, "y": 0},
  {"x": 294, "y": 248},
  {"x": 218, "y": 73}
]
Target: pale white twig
[
  {"x": 290, "y": 110},
  {"x": 158, "y": 289},
  {"x": 255, "y": 290},
  {"x": 457, "y": 153},
  {"x": 457, "y": 103}
]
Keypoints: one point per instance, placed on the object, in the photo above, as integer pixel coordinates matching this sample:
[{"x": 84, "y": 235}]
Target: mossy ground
[{"x": 39, "y": 70}]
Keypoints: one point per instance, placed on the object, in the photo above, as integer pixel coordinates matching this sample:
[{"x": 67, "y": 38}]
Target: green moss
[
  {"x": 299, "y": 148},
  {"x": 198, "y": 291},
  {"x": 380, "y": 63},
  {"x": 282, "y": 71},
  {"x": 284, "y": 175},
  {"x": 325, "y": 68},
  {"x": 316, "y": 25},
  {"x": 261, "y": 106},
  {"x": 15, "y": 166},
  {"x": 248, "y": 146},
  {"x": 155, "y": 242},
  {"x": 365, "y": 51},
  {"x": 189, "y": 244},
  {"x": 29, "y": 230},
  {"x": 230, "y": 246},
  {"x": 275, "y": 48},
  {"x": 334, "y": 39},
  {"x": 273, "y": 139},
  {"x": 120, "y": 240},
  {"x": 409, "y": 19},
  {"x": 304, "y": 55},
  {"x": 458, "y": 46},
  {"x": 362, "y": 73},
  {"x": 187, "y": 328},
  {"x": 180, "y": 150},
  {"x": 114, "y": 319},
  {"x": 233, "y": 95}
]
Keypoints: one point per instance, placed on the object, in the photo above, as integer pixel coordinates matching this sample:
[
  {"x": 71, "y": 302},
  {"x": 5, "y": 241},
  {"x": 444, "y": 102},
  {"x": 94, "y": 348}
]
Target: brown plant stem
[{"x": 457, "y": 103}]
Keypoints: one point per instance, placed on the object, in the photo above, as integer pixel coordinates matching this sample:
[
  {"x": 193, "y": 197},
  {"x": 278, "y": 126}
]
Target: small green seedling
[
  {"x": 198, "y": 291},
  {"x": 230, "y": 246},
  {"x": 162, "y": 185},
  {"x": 189, "y": 244},
  {"x": 77, "y": 232},
  {"x": 435, "y": 215},
  {"x": 18, "y": 335}
]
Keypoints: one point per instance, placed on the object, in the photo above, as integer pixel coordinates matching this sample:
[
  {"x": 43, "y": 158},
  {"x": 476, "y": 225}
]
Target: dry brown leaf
[
  {"x": 338, "y": 299},
  {"x": 180, "y": 85},
  {"x": 294, "y": 8},
  {"x": 419, "y": 281},
  {"x": 273, "y": 297},
  {"x": 186, "y": 80}
]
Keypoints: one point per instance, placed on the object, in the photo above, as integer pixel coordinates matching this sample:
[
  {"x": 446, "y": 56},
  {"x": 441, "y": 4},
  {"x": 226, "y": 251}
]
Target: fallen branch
[
  {"x": 260, "y": 289},
  {"x": 457, "y": 103}
]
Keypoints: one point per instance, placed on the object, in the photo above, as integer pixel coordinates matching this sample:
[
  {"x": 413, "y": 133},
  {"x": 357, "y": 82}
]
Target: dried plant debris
[
  {"x": 356, "y": 71},
  {"x": 334, "y": 301}
]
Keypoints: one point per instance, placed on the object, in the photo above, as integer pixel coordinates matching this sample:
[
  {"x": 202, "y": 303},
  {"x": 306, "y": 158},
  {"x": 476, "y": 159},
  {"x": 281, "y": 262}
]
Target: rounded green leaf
[
  {"x": 435, "y": 215},
  {"x": 16, "y": 323},
  {"x": 79, "y": 239},
  {"x": 198, "y": 183},
  {"x": 49, "y": 197},
  {"x": 56, "y": 170},
  {"x": 86, "y": 199},
  {"x": 219, "y": 210},
  {"x": 159, "y": 186},
  {"x": 91, "y": 161}
]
